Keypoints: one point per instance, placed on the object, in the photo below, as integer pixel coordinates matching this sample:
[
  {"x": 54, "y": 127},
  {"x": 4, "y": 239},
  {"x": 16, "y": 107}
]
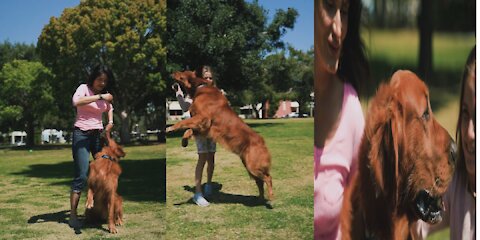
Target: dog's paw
[
  {"x": 89, "y": 204},
  {"x": 112, "y": 229},
  {"x": 119, "y": 222},
  {"x": 184, "y": 142},
  {"x": 169, "y": 129}
]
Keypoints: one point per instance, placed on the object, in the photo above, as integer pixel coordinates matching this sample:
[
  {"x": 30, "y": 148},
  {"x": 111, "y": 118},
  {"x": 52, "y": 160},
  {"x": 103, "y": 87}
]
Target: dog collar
[{"x": 107, "y": 157}]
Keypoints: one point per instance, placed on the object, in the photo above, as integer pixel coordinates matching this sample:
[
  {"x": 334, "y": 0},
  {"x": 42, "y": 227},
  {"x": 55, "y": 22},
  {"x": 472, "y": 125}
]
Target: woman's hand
[
  {"x": 109, "y": 127},
  {"x": 107, "y": 97},
  {"x": 175, "y": 87}
]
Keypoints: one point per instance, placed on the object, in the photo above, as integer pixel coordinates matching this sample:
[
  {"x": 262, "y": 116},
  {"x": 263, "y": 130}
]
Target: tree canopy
[
  {"x": 127, "y": 36},
  {"x": 26, "y": 97},
  {"x": 233, "y": 37}
]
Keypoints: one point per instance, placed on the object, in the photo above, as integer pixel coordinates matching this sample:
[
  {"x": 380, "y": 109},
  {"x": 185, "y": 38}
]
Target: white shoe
[
  {"x": 200, "y": 200},
  {"x": 207, "y": 190}
]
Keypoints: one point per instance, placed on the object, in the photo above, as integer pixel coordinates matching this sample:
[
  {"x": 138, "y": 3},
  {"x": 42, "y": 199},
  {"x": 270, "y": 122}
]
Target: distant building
[
  {"x": 53, "y": 136},
  {"x": 287, "y": 109},
  {"x": 18, "y": 138},
  {"x": 175, "y": 111}
]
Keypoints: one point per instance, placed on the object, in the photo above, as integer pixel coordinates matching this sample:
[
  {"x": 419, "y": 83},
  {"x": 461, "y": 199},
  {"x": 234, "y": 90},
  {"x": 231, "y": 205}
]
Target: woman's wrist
[{"x": 110, "y": 122}]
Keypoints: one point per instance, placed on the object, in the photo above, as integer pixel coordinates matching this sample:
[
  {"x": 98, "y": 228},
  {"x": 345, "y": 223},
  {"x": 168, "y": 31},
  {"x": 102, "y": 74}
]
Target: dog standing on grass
[
  {"x": 103, "y": 202},
  {"x": 213, "y": 117}
]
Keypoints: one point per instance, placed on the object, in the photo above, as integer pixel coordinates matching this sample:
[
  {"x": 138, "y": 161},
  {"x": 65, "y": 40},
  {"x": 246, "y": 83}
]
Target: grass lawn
[
  {"x": 390, "y": 50},
  {"x": 35, "y": 189},
  {"x": 234, "y": 212}
]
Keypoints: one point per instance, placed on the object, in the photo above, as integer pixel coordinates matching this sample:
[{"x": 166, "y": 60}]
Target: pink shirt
[
  {"x": 89, "y": 116},
  {"x": 334, "y": 165},
  {"x": 459, "y": 212}
]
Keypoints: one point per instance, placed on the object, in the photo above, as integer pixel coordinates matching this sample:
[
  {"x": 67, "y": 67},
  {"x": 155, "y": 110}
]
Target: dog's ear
[{"x": 384, "y": 132}]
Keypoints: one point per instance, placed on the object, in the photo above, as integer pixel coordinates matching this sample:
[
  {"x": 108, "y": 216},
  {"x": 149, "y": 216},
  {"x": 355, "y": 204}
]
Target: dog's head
[
  {"x": 411, "y": 156},
  {"x": 189, "y": 81},
  {"x": 111, "y": 148}
]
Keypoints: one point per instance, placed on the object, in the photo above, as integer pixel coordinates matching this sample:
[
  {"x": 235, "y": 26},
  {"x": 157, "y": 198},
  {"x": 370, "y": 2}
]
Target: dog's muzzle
[{"x": 428, "y": 207}]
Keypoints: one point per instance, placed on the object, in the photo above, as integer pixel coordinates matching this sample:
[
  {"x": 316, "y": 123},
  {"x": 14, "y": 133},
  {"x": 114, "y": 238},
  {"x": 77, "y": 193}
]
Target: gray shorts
[{"x": 205, "y": 144}]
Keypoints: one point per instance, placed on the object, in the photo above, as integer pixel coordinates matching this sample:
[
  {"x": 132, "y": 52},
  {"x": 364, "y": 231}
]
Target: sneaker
[
  {"x": 73, "y": 222},
  {"x": 200, "y": 200},
  {"x": 207, "y": 190}
]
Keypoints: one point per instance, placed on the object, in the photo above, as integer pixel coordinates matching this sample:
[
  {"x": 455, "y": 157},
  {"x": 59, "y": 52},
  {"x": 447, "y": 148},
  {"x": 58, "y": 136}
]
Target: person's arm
[
  {"x": 79, "y": 98},
  {"x": 184, "y": 103},
  {"x": 110, "y": 119}
]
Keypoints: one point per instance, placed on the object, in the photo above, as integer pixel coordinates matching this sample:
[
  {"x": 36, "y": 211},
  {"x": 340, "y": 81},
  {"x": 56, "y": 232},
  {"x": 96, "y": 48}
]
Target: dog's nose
[{"x": 453, "y": 152}]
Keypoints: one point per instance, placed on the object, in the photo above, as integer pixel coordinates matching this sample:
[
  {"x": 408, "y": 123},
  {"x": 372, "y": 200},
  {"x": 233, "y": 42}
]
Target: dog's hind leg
[
  {"x": 268, "y": 181},
  {"x": 261, "y": 191},
  {"x": 118, "y": 211},
  {"x": 111, "y": 213}
]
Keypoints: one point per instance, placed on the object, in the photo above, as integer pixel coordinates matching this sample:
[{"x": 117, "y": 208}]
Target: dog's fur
[
  {"x": 103, "y": 202},
  {"x": 406, "y": 162},
  {"x": 213, "y": 117}
]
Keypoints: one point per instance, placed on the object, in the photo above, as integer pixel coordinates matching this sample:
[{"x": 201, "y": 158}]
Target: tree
[
  {"x": 20, "y": 51},
  {"x": 231, "y": 36},
  {"x": 302, "y": 71},
  {"x": 26, "y": 96},
  {"x": 127, "y": 36},
  {"x": 425, "y": 27}
]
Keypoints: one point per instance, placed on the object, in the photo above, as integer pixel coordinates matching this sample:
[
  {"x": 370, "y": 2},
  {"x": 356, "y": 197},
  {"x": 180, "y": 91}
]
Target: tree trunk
[
  {"x": 30, "y": 133},
  {"x": 125, "y": 129},
  {"x": 265, "y": 108},
  {"x": 425, "y": 26}
]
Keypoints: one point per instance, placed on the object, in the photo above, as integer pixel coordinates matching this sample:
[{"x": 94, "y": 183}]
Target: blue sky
[{"x": 23, "y": 20}]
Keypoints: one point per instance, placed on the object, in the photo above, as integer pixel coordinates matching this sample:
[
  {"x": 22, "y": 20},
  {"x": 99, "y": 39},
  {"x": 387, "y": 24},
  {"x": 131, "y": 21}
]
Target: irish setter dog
[
  {"x": 213, "y": 117},
  {"x": 406, "y": 162},
  {"x": 103, "y": 202}
]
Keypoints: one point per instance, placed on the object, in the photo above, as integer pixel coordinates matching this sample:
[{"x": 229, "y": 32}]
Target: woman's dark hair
[
  {"x": 469, "y": 69},
  {"x": 99, "y": 70},
  {"x": 353, "y": 66}
]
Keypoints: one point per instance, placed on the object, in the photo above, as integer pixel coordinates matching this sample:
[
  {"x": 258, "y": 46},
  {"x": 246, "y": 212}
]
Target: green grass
[
  {"x": 35, "y": 188},
  {"x": 234, "y": 212},
  {"x": 390, "y": 50}
]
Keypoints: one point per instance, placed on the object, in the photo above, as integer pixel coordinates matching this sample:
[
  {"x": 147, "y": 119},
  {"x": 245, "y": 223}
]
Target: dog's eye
[{"x": 426, "y": 115}]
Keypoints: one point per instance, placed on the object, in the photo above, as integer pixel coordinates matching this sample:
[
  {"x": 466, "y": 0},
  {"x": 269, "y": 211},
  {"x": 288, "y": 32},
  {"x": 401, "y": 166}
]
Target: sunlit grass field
[
  {"x": 35, "y": 188},
  {"x": 234, "y": 212}
]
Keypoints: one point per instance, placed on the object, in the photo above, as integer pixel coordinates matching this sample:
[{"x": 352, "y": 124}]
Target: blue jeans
[{"x": 84, "y": 143}]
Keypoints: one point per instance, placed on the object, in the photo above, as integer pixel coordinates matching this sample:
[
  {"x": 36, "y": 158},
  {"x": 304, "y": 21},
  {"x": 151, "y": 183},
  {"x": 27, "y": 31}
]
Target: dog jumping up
[
  {"x": 213, "y": 117},
  {"x": 103, "y": 202}
]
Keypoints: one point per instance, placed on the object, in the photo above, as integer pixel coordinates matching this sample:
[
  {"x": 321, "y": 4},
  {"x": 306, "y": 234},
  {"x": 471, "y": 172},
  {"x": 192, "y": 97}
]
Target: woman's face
[
  {"x": 468, "y": 122},
  {"x": 100, "y": 83},
  {"x": 331, "y": 24},
  {"x": 207, "y": 75}
]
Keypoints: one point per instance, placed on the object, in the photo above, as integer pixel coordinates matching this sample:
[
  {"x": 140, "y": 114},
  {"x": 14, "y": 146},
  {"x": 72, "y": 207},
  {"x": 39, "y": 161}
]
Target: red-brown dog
[
  {"x": 406, "y": 161},
  {"x": 213, "y": 117},
  {"x": 103, "y": 202}
]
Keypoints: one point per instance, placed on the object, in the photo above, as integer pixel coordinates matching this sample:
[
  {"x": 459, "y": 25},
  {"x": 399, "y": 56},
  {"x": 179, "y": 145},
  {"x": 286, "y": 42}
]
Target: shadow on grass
[
  {"x": 61, "y": 217},
  {"x": 141, "y": 180},
  {"x": 443, "y": 84},
  {"x": 219, "y": 197}
]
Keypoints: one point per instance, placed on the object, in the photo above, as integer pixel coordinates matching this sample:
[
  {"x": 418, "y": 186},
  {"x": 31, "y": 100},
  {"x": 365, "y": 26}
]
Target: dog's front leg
[
  {"x": 197, "y": 123},
  {"x": 111, "y": 213},
  {"x": 89, "y": 203}
]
